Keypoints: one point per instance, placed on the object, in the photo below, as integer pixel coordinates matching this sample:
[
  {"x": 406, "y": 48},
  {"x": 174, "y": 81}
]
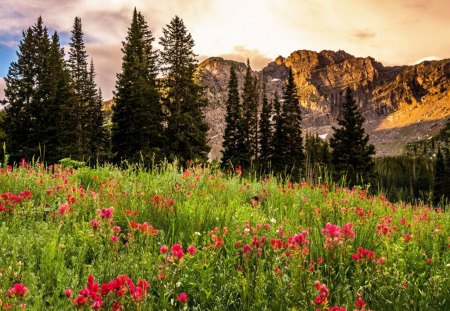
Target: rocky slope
[{"x": 401, "y": 104}]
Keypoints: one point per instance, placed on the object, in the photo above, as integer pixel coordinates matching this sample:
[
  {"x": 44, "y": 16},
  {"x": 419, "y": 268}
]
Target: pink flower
[
  {"x": 68, "y": 292},
  {"x": 18, "y": 289},
  {"x": 182, "y": 297},
  {"x": 191, "y": 250},
  {"x": 177, "y": 251},
  {"x": 114, "y": 238},
  {"x": 95, "y": 224},
  {"x": 116, "y": 229},
  {"x": 163, "y": 249},
  {"x": 107, "y": 213},
  {"x": 360, "y": 303},
  {"x": 142, "y": 284},
  {"x": 97, "y": 305}
]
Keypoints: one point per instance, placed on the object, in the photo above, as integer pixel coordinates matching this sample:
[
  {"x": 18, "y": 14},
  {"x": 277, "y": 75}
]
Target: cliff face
[{"x": 400, "y": 104}]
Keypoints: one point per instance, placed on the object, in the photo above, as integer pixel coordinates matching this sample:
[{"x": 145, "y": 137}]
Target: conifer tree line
[
  {"x": 53, "y": 107},
  {"x": 441, "y": 187},
  {"x": 272, "y": 140}
]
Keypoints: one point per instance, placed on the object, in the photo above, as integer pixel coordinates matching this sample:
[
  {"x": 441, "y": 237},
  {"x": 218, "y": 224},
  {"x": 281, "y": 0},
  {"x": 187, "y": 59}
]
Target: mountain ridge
[{"x": 400, "y": 103}]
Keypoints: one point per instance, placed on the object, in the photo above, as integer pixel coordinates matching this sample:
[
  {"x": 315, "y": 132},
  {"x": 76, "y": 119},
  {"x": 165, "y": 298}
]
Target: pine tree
[
  {"x": 20, "y": 85},
  {"x": 98, "y": 135},
  {"x": 351, "y": 152},
  {"x": 232, "y": 119},
  {"x": 292, "y": 130},
  {"x": 439, "y": 178},
  {"x": 79, "y": 73},
  {"x": 265, "y": 132},
  {"x": 59, "y": 99},
  {"x": 183, "y": 98},
  {"x": 248, "y": 147},
  {"x": 27, "y": 94},
  {"x": 137, "y": 115},
  {"x": 90, "y": 140},
  {"x": 278, "y": 135},
  {"x": 446, "y": 187}
]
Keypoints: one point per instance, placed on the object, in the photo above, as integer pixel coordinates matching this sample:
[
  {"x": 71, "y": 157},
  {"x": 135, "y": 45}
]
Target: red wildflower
[
  {"x": 182, "y": 297},
  {"x": 163, "y": 249},
  {"x": 18, "y": 289},
  {"x": 68, "y": 293},
  {"x": 177, "y": 251},
  {"x": 191, "y": 250}
]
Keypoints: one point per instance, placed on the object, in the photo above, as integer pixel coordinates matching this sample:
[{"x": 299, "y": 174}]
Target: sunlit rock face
[{"x": 400, "y": 104}]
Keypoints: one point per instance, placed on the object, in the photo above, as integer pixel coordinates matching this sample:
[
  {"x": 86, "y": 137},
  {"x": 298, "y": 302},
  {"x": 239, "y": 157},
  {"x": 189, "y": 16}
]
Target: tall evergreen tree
[
  {"x": 20, "y": 85},
  {"x": 27, "y": 94},
  {"x": 351, "y": 152},
  {"x": 79, "y": 73},
  {"x": 292, "y": 146},
  {"x": 137, "y": 115},
  {"x": 87, "y": 117},
  {"x": 278, "y": 148},
  {"x": 183, "y": 98},
  {"x": 248, "y": 141},
  {"x": 98, "y": 135},
  {"x": 232, "y": 119},
  {"x": 440, "y": 178},
  {"x": 54, "y": 140},
  {"x": 446, "y": 187},
  {"x": 265, "y": 131}
]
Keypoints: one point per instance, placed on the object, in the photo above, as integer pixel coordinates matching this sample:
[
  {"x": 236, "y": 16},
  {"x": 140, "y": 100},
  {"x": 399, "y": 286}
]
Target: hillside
[{"x": 401, "y": 104}]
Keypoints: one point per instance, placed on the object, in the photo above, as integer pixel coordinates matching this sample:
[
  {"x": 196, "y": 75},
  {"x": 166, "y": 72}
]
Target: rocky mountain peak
[{"x": 400, "y": 103}]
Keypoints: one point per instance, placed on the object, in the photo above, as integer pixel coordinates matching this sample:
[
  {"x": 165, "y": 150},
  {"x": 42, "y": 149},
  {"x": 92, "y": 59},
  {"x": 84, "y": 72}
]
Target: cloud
[
  {"x": 417, "y": 5},
  {"x": 107, "y": 61},
  {"x": 240, "y": 53},
  {"x": 428, "y": 58},
  {"x": 2, "y": 88},
  {"x": 363, "y": 34}
]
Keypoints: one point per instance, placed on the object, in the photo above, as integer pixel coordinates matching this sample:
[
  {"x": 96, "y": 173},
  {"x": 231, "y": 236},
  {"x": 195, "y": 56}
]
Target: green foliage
[
  {"x": 429, "y": 147},
  {"x": 265, "y": 133},
  {"x": 71, "y": 163},
  {"x": 288, "y": 150},
  {"x": 404, "y": 178},
  {"x": 233, "y": 117},
  {"x": 38, "y": 93},
  {"x": 137, "y": 115},
  {"x": 440, "y": 177},
  {"x": 317, "y": 156},
  {"x": 351, "y": 154},
  {"x": 84, "y": 119},
  {"x": 247, "y": 143},
  {"x": 183, "y": 98},
  {"x": 50, "y": 242}
]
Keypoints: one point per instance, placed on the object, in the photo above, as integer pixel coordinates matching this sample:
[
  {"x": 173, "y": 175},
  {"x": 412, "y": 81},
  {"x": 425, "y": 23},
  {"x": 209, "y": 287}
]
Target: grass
[{"x": 255, "y": 244}]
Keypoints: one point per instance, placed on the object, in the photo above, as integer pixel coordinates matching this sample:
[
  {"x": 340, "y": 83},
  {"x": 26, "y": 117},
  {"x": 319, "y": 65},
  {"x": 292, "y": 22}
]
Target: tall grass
[{"x": 54, "y": 239}]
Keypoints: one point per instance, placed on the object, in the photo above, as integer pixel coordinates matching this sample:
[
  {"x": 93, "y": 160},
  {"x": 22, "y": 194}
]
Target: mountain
[{"x": 401, "y": 103}]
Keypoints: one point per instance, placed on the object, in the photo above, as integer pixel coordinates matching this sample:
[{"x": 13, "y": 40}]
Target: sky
[{"x": 400, "y": 32}]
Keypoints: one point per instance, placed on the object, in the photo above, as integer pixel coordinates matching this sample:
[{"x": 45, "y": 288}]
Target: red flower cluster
[
  {"x": 323, "y": 293},
  {"x": 144, "y": 228},
  {"x": 161, "y": 202},
  {"x": 177, "y": 252},
  {"x": 111, "y": 294},
  {"x": 363, "y": 254},
  {"x": 385, "y": 227},
  {"x": 360, "y": 303},
  {"x": 9, "y": 200},
  {"x": 336, "y": 236},
  {"x": 18, "y": 290}
]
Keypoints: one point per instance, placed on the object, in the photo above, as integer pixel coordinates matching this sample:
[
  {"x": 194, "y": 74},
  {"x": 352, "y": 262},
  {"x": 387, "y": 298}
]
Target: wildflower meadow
[{"x": 202, "y": 239}]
